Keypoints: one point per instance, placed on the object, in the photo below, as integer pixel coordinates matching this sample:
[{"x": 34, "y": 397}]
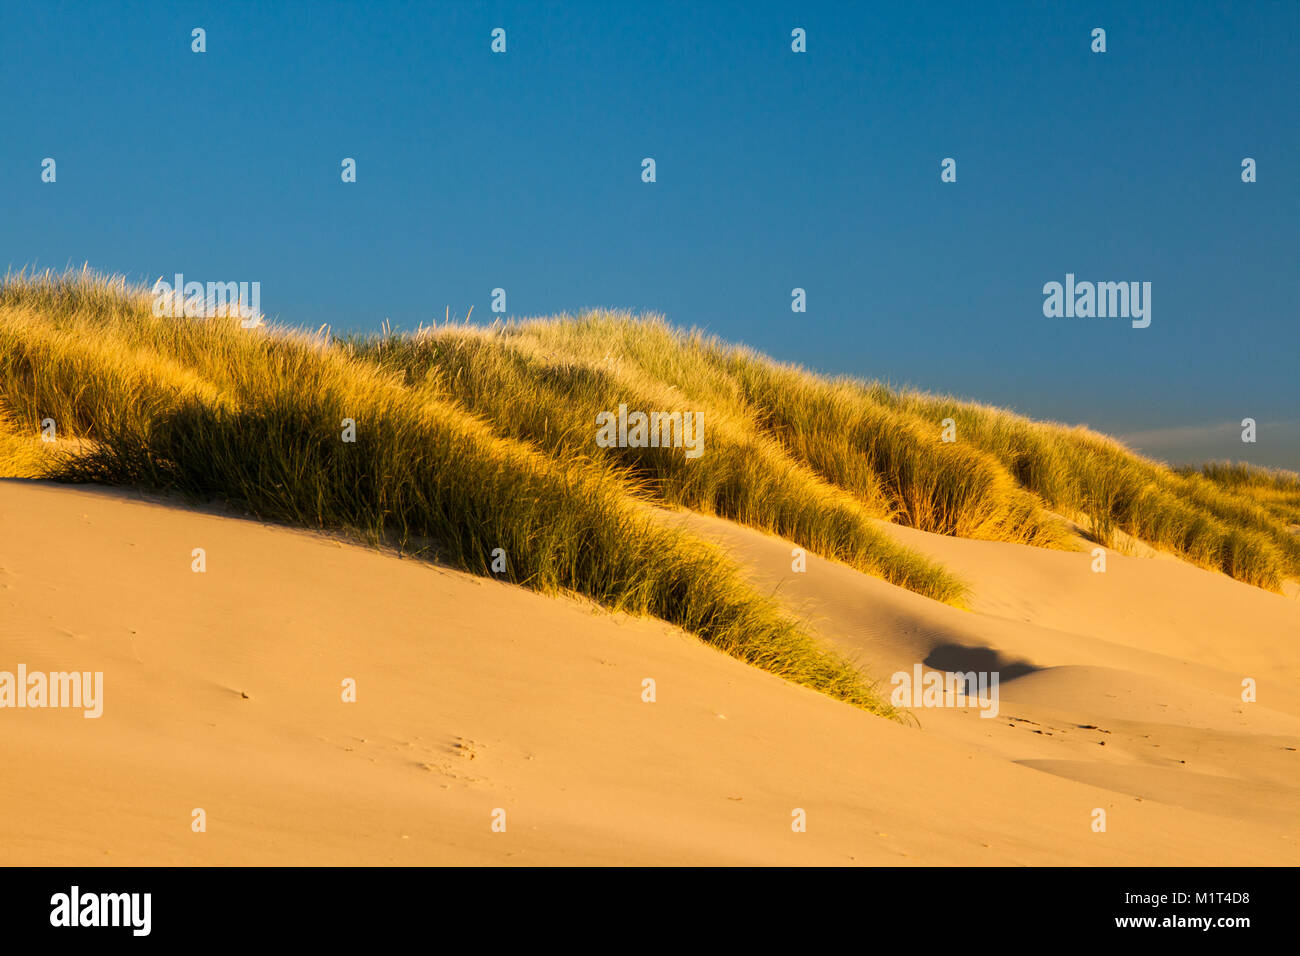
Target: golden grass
[
  {"x": 1005, "y": 478},
  {"x": 474, "y": 439},
  {"x": 1275, "y": 489},
  {"x": 894, "y": 466},
  {"x": 551, "y": 402},
  {"x": 254, "y": 417},
  {"x": 1082, "y": 473},
  {"x": 21, "y": 455}
]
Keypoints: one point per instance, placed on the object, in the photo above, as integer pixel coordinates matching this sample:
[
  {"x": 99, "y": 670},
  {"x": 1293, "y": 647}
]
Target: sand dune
[
  {"x": 1129, "y": 679},
  {"x": 222, "y": 692}
]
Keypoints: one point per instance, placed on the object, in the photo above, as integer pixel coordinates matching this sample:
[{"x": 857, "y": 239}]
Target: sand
[{"x": 223, "y": 691}]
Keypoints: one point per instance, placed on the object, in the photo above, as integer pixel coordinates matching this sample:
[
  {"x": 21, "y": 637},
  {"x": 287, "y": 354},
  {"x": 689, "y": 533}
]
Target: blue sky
[{"x": 775, "y": 170}]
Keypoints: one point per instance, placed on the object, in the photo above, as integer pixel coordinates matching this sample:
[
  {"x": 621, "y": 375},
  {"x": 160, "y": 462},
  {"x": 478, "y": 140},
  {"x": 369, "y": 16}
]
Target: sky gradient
[{"x": 775, "y": 170}]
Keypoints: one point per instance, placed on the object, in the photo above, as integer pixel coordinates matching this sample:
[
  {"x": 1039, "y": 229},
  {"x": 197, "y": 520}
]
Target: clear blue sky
[{"x": 775, "y": 170}]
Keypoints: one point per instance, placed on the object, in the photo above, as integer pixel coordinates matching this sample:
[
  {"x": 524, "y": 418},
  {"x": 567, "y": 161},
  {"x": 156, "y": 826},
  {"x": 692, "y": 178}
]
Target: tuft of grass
[{"x": 21, "y": 455}]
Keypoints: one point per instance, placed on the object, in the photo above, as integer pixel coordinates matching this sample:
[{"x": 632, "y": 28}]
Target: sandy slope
[
  {"x": 1129, "y": 679},
  {"x": 223, "y": 692}
]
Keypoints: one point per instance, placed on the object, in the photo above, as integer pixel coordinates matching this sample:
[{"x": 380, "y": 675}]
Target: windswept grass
[
  {"x": 1005, "y": 477},
  {"x": 744, "y": 475},
  {"x": 1080, "y": 472},
  {"x": 21, "y": 454},
  {"x": 891, "y": 466},
  {"x": 1275, "y": 489},
  {"x": 469, "y": 440},
  {"x": 254, "y": 417}
]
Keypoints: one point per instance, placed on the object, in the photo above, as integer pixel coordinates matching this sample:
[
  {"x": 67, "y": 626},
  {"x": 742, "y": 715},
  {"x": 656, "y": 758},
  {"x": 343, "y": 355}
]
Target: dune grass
[
  {"x": 256, "y": 417},
  {"x": 1004, "y": 478},
  {"x": 1275, "y": 489},
  {"x": 892, "y": 465},
  {"x": 475, "y": 442},
  {"x": 1080, "y": 472},
  {"x": 552, "y": 403},
  {"x": 21, "y": 456}
]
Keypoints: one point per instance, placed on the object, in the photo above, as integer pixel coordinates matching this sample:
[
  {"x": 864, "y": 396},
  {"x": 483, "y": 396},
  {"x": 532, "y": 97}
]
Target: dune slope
[
  {"x": 222, "y": 692},
  {"x": 1130, "y": 678}
]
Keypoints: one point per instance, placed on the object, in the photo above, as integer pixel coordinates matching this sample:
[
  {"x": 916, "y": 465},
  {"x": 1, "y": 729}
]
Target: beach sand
[{"x": 223, "y": 691}]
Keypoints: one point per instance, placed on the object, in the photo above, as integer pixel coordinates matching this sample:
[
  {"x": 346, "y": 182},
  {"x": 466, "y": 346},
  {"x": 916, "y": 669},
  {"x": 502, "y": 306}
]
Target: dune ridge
[{"x": 828, "y": 536}]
